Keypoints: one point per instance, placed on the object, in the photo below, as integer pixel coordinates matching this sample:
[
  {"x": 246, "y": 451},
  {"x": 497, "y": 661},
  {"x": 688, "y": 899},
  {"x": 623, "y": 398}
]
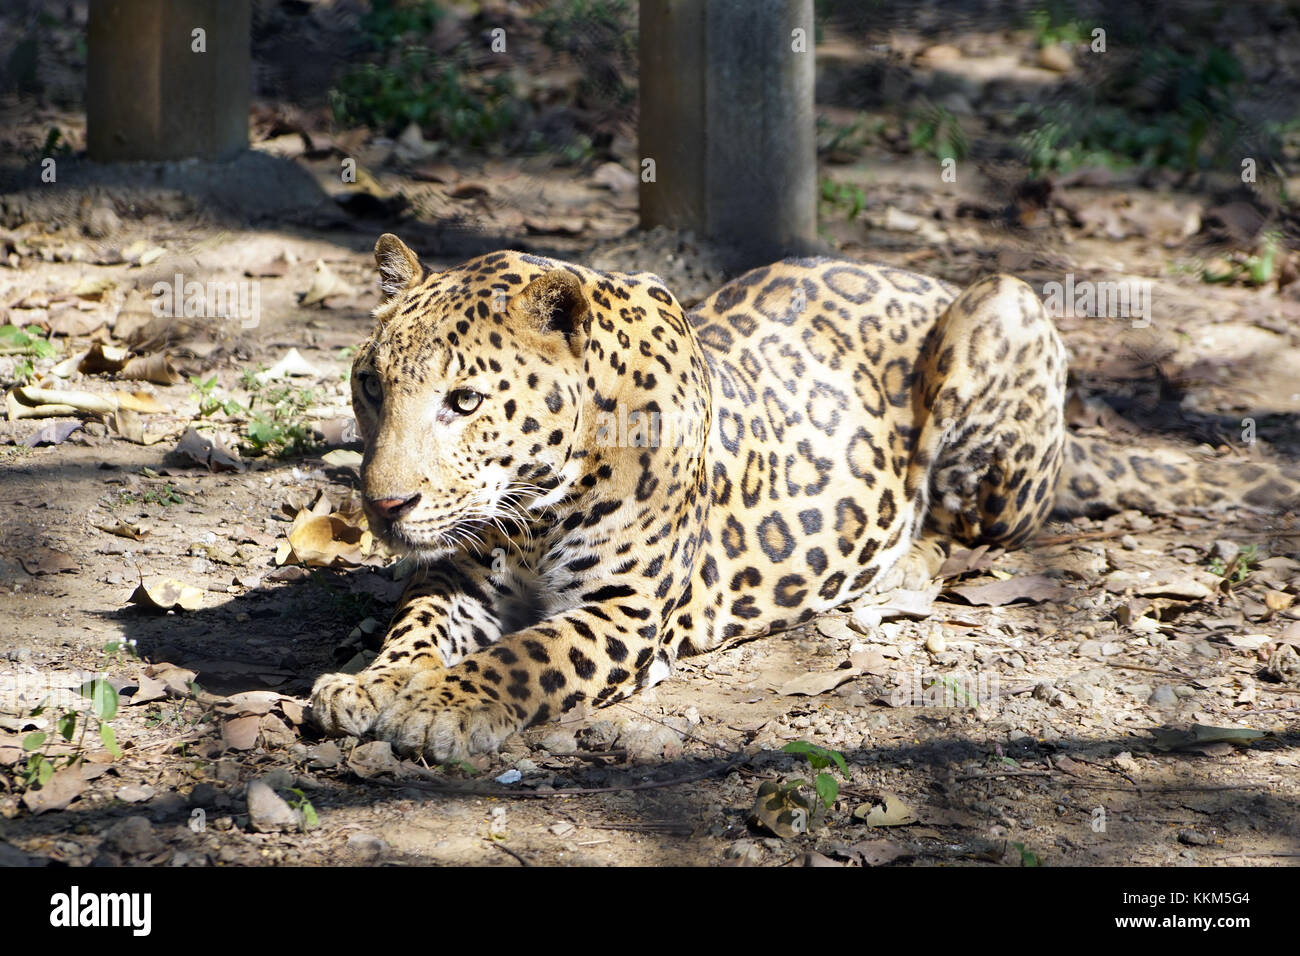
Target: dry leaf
[
  {"x": 870, "y": 660},
  {"x": 207, "y": 452},
  {"x": 59, "y": 791},
  {"x": 324, "y": 283},
  {"x": 1171, "y": 583},
  {"x": 141, "y": 402},
  {"x": 342, "y": 458},
  {"x": 255, "y": 702},
  {"x": 1033, "y": 588},
  {"x": 555, "y": 225},
  {"x": 167, "y": 594},
  {"x": 176, "y": 679},
  {"x": 55, "y": 433},
  {"x": 41, "y": 560},
  {"x": 887, "y": 810},
  {"x": 240, "y": 733},
  {"x": 786, "y": 811},
  {"x": 1200, "y": 735},
  {"x": 814, "y": 683},
  {"x": 35, "y": 402},
  {"x": 123, "y": 530},
  {"x": 292, "y": 364},
  {"x": 374, "y": 758},
  {"x": 149, "y": 689}
]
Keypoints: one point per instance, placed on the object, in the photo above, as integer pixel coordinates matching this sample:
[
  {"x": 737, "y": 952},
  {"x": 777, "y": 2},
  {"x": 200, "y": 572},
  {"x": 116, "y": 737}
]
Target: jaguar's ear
[
  {"x": 555, "y": 302},
  {"x": 399, "y": 267}
]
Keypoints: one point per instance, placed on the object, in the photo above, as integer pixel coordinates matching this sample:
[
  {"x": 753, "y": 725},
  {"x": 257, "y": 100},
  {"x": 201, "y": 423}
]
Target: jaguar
[{"x": 595, "y": 482}]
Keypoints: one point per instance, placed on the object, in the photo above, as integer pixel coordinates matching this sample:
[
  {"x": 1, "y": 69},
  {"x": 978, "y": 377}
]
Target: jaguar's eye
[
  {"x": 370, "y": 387},
  {"x": 464, "y": 400}
]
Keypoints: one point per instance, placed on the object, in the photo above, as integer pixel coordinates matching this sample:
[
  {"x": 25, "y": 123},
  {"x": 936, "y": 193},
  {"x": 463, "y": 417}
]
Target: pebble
[
  {"x": 560, "y": 742},
  {"x": 134, "y": 793},
  {"x": 1225, "y": 550},
  {"x": 323, "y": 756},
  {"x": 1163, "y": 696},
  {"x": 744, "y": 851},
  {"x": 1192, "y": 838},
  {"x": 1128, "y": 542},
  {"x": 133, "y": 836},
  {"x": 367, "y": 846},
  {"x": 267, "y": 812}
]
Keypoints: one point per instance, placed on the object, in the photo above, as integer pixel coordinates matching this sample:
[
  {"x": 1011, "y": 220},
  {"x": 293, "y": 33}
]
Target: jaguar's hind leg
[{"x": 990, "y": 389}]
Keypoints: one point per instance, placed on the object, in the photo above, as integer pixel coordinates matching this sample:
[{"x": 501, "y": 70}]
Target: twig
[
  {"x": 506, "y": 849},
  {"x": 547, "y": 794},
  {"x": 1151, "y": 670},
  {"x": 1077, "y": 536}
]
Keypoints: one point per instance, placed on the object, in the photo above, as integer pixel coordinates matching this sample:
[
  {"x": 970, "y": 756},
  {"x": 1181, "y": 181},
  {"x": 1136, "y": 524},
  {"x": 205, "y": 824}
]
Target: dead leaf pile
[{"x": 324, "y": 537}]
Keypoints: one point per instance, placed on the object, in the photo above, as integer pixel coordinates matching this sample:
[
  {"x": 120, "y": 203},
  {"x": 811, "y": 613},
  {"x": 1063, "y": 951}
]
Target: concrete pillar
[
  {"x": 158, "y": 89},
  {"x": 727, "y": 117}
]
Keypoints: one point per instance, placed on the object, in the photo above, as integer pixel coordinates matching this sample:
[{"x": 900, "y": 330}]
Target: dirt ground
[{"x": 1034, "y": 707}]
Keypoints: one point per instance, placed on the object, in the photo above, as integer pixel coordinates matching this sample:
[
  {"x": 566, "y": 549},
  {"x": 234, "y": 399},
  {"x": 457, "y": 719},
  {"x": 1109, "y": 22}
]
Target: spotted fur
[{"x": 598, "y": 483}]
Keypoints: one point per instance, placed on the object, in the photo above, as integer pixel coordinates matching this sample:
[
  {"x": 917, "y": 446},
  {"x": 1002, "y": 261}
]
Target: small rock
[
  {"x": 134, "y": 793},
  {"x": 367, "y": 846},
  {"x": 525, "y": 766},
  {"x": 560, "y": 742},
  {"x": 267, "y": 812},
  {"x": 1192, "y": 838},
  {"x": 1128, "y": 542},
  {"x": 510, "y": 776},
  {"x": 133, "y": 836},
  {"x": 203, "y": 795},
  {"x": 278, "y": 779},
  {"x": 1225, "y": 550},
  {"x": 600, "y": 735},
  {"x": 1163, "y": 696},
  {"x": 743, "y": 851},
  {"x": 324, "y": 756},
  {"x": 1125, "y": 762},
  {"x": 935, "y": 643},
  {"x": 1055, "y": 57},
  {"x": 227, "y": 771}
]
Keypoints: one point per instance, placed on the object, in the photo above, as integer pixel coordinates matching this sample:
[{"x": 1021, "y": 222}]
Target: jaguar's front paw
[
  {"x": 349, "y": 703},
  {"x": 444, "y": 718}
]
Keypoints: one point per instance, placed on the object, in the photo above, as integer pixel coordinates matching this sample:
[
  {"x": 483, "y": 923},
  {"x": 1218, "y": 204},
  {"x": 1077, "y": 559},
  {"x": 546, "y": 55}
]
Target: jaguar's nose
[{"x": 390, "y": 509}]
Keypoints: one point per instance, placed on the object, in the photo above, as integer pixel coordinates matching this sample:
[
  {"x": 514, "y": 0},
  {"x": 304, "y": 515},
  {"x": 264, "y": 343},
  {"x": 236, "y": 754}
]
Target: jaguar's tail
[{"x": 1100, "y": 477}]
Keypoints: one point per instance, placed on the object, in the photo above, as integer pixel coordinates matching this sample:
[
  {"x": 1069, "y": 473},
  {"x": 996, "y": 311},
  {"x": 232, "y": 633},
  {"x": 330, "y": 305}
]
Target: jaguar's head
[{"x": 467, "y": 395}]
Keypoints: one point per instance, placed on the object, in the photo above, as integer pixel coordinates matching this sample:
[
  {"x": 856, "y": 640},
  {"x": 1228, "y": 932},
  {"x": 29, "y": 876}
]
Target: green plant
[
  {"x": 40, "y": 765},
  {"x": 209, "y": 402},
  {"x": 1187, "y": 105},
  {"x": 600, "y": 36},
  {"x": 16, "y": 341},
  {"x": 1054, "y": 23},
  {"x": 277, "y": 424},
  {"x": 441, "y": 94},
  {"x": 1238, "y": 569},
  {"x": 1026, "y": 857},
  {"x": 819, "y": 759},
  {"x": 843, "y": 196},
  {"x": 937, "y": 132},
  {"x": 165, "y": 496},
  {"x": 302, "y": 806},
  {"x": 24, "y": 372}
]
